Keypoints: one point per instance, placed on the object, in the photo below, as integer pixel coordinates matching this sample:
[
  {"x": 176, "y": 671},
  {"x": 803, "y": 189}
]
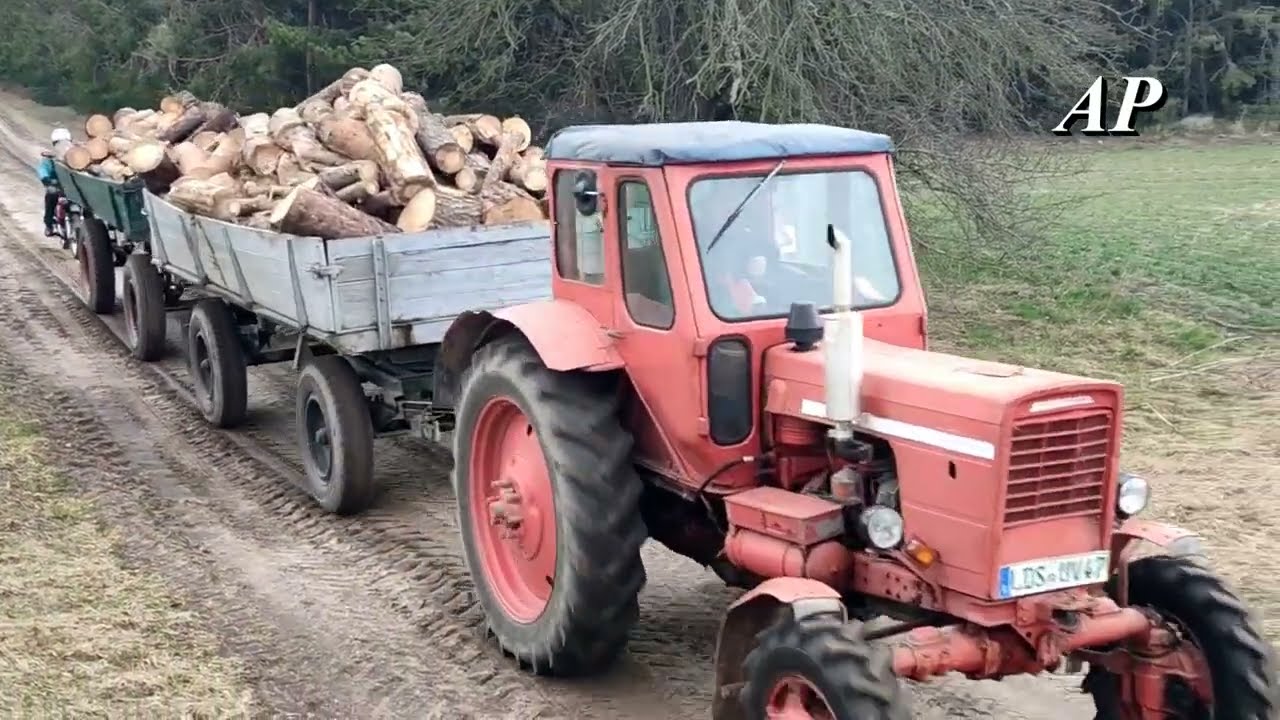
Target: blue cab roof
[{"x": 658, "y": 144}]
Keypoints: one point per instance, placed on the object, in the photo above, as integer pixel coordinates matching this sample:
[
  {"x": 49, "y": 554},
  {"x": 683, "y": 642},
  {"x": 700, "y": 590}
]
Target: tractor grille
[{"x": 1058, "y": 467}]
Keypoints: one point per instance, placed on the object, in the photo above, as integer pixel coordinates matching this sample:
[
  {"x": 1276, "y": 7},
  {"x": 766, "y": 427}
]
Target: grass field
[
  {"x": 81, "y": 634},
  {"x": 1168, "y": 279}
]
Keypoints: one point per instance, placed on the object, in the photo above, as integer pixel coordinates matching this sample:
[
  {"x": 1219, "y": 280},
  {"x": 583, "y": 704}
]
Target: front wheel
[
  {"x": 549, "y": 509},
  {"x": 1217, "y": 623},
  {"x": 817, "y": 667}
]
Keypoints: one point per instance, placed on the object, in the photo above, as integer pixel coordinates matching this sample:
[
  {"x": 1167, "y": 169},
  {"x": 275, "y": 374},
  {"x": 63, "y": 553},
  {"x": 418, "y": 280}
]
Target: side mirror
[{"x": 585, "y": 195}]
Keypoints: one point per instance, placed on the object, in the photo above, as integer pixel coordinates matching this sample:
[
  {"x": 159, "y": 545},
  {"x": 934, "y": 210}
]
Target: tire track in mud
[
  {"x": 403, "y": 551},
  {"x": 408, "y": 539}
]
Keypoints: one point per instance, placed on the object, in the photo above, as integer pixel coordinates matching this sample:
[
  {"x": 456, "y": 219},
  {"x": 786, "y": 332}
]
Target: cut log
[
  {"x": 258, "y": 220},
  {"x": 289, "y": 171},
  {"x": 150, "y": 162},
  {"x": 217, "y": 118},
  {"x": 342, "y": 106},
  {"x": 120, "y": 144},
  {"x": 77, "y": 157},
  {"x": 241, "y": 207},
  {"x": 518, "y": 126},
  {"x": 337, "y": 88},
  {"x": 503, "y": 159},
  {"x": 456, "y": 208},
  {"x": 177, "y": 103},
  {"x": 399, "y": 156},
  {"x": 348, "y": 137},
  {"x": 336, "y": 178},
  {"x": 99, "y": 148},
  {"x": 434, "y": 139},
  {"x": 486, "y": 128},
  {"x": 185, "y": 125},
  {"x": 389, "y": 77},
  {"x": 259, "y": 152},
  {"x": 115, "y": 169},
  {"x": 357, "y": 191},
  {"x": 265, "y": 188},
  {"x": 205, "y": 140},
  {"x": 467, "y": 180},
  {"x": 418, "y": 212},
  {"x": 61, "y": 148},
  {"x": 121, "y": 114},
  {"x": 533, "y": 152},
  {"x": 225, "y": 158},
  {"x": 505, "y": 203},
  {"x": 202, "y": 197},
  {"x": 315, "y": 111},
  {"x": 188, "y": 156},
  {"x": 97, "y": 126},
  {"x": 462, "y": 135},
  {"x": 368, "y": 92},
  {"x": 310, "y": 213},
  {"x": 291, "y": 133}
]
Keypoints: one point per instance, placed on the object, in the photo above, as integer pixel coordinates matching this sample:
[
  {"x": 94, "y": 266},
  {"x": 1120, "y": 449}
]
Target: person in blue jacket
[{"x": 49, "y": 179}]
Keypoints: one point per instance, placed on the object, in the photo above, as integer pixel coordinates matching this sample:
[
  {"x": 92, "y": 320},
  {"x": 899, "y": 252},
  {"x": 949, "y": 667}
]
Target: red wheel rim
[
  {"x": 512, "y": 510},
  {"x": 795, "y": 698}
]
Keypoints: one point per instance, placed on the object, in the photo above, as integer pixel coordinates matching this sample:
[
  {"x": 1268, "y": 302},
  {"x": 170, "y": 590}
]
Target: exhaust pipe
[{"x": 842, "y": 342}]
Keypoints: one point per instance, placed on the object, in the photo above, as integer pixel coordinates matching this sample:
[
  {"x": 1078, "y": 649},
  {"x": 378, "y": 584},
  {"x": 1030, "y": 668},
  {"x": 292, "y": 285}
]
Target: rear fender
[
  {"x": 748, "y": 616},
  {"x": 1135, "y": 539},
  {"x": 565, "y": 336}
]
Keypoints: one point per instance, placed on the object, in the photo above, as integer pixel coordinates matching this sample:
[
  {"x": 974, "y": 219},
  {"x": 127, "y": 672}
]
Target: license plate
[{"x": 1048, "y": 574}]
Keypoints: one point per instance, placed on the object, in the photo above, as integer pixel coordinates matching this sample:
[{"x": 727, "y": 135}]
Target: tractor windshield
[{"x": 775, "y": 252}]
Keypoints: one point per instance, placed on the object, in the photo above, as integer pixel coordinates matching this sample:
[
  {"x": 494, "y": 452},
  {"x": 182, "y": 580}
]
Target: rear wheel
[
  {"x": 816, "y": 667},
  {"x": 335, "y": 435},
  {"x": 548, "y": 504},
  {"x": 144, "y": 315},
  {"x": 97, "y": 268},
  {"x": 1218, "y": 624},
  {"x": 217, "y": 364}
]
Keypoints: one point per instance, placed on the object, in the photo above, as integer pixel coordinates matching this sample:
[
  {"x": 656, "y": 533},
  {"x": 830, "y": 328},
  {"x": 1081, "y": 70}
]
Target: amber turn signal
[{"x": 924, "y": 555}]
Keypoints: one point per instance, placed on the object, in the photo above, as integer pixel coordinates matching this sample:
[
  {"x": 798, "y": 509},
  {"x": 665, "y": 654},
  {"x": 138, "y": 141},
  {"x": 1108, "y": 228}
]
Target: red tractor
[{"x": 735, "y": 364}]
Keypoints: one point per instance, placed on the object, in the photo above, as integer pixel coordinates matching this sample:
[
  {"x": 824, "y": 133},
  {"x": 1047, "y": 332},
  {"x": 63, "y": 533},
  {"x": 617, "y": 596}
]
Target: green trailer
[{"x": 110, "y": 224}]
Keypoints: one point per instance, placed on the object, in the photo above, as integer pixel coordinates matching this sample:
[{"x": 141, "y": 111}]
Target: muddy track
[{"x": 340, "y": 616}]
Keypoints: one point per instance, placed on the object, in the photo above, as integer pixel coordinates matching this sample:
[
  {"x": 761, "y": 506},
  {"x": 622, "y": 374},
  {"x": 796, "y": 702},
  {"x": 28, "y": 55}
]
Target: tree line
[{"x": 926, "y": 71}]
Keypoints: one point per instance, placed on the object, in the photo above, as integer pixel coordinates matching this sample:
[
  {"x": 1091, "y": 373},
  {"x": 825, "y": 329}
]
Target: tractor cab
[{"x": 691, "y": 242}]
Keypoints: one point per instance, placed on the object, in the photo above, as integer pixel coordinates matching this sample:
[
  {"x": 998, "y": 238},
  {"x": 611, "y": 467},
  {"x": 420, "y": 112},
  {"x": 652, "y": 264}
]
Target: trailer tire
[
  {"x": 216, "y": 359},
  {"x": 1241, "y": 662},
  {"x": 822, "y": 661},
  {"x": 97, "y": 269},
  {"x": 144, "y": 303},
  {"x": 335, "y": 435},
  {"x": 563, "y": 596}
]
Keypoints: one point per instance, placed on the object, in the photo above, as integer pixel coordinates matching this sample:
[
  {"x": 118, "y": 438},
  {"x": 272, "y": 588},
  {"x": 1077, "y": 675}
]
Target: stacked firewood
[{"x": 360, "y": 157}]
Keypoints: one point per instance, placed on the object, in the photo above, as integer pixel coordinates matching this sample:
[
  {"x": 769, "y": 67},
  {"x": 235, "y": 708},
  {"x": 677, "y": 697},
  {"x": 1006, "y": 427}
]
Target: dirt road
[{"x": 358, "y": 617}]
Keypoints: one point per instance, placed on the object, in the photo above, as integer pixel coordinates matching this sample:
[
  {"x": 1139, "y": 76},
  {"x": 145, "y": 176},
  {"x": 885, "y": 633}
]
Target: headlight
[
  {"x": 1133, "y": 495},
  {"x": 881, "y": 527}
]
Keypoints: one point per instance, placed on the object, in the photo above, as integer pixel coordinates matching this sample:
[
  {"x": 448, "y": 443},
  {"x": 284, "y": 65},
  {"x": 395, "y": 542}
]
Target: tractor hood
[{"x": 944, "y": 393}]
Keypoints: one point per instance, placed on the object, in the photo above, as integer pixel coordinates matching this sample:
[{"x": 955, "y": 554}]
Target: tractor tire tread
[
  {"x": 225, "y": 349},
  {"x": 597, "y": 496},
  {"x": 149, "y": 313},
  {"x": 99, "y": 265},
  {"x": 347, "y": 411},
  {"x": 1242, "y": 663},
  {"x": 855, "y": 676}
]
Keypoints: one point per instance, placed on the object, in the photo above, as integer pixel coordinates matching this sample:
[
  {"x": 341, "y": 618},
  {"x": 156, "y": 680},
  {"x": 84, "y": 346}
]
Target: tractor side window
[
  {"x": 579, "y": 237},
  {"x": 645, "y": 281}
]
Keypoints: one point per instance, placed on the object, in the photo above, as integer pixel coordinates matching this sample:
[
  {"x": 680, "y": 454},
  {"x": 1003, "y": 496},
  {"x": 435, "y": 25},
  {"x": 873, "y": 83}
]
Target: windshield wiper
[{"x": 738, "y": 210}]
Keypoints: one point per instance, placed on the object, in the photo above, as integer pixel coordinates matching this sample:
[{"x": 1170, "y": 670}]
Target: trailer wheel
[
  {"x": 549, "y": 509},
  {"x": 97, "y": 270},
  {"x": 217, "y": 364},
  {"x": 1240, "y": 662},
  {"x": 335, "y": 435},
  {"x": 816, "y": 666},
  {"x": 144, "y": 302}
]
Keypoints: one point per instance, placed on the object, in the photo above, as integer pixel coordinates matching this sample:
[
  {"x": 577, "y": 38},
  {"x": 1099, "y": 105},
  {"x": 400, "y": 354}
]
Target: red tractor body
[{"x": 754, "y": 292}]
